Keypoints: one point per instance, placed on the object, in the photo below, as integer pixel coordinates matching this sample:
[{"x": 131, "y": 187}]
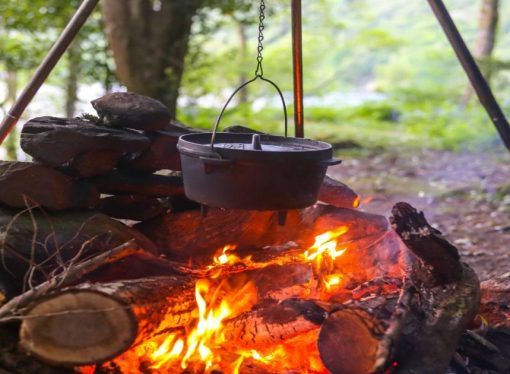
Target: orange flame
[
  {"x": 207, "y": 335},
  {"x": 326, "y": 244},
  {"x": 226, "y": 257}
]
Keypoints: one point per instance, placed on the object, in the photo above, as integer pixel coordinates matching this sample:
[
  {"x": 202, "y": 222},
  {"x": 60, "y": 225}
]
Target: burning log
[
  {"x": 439, "y": 298},
  {"x": 92, "y": 323},
  {"x": 337, "y": 194}
]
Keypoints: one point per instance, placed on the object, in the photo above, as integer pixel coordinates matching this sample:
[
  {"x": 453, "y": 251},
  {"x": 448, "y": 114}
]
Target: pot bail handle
[{"x": 258, "y": 76}]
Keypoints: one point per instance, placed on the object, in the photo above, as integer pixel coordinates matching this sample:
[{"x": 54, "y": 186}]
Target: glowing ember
[{"x": 331, "y": 281}]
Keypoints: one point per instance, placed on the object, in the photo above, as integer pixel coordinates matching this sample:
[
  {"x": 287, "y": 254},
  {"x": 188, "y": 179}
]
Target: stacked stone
[
  {"x": 121, "y": 155},
  {"x": 84, "y": 172}
]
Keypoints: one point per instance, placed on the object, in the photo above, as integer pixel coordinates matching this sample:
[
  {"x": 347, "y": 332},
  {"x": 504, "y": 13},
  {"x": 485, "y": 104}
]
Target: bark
[
  {"x": 434, "y": 308},
  {"x": 426, "y": 323},
  {"x": 485, "y": 40},
  {"x": 11, "y": 142},
  {"x": 93, "y": 323},
  {"x": 149, "y": 44}
]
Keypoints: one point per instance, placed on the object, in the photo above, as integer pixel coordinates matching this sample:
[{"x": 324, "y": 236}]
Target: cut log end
[
  {"x": 348, "y": 342},
  {"x": 78, "y": 327}
]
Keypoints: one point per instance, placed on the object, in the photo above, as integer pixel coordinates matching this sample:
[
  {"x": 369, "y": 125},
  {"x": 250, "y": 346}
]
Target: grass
[{"x": 420, "y": 122}]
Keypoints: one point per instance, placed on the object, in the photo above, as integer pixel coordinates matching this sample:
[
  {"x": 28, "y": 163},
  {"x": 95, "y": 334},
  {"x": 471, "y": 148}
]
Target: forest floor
[{"x": 466, "y": 195}]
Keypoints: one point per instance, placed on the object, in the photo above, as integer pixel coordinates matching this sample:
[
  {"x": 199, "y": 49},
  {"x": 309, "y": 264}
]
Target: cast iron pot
[{"x": 252, "y": 171}]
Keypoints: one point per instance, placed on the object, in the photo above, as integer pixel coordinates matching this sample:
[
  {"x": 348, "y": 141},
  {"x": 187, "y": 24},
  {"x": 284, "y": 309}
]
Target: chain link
[{"x": 259, "y": 72}]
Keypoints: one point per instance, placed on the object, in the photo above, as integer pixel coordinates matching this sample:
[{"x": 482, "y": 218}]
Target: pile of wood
[{"x": 405, "y": 308}]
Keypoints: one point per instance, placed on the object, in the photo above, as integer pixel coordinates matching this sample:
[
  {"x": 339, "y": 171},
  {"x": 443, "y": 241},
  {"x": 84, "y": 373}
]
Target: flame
[
  {"x": 326, "y": 244},
  {"x": 207, "y": 335},
  {"x": 367, "y": 200},
  {"x": 356, "y": 201},
  {"x": 226, "y": 257},
  {"x": 201, "y": 346}
]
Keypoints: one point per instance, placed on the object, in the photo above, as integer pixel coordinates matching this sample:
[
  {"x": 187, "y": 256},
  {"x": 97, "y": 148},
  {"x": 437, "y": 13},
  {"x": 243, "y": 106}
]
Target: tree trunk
[
  {"x": 11, "y": 143},
  {"x": 241, "y": 31},
  {"x": 72, "y": 78},
  {"x": 485, "y": 40},
  {"x": 149, "y": 42}
]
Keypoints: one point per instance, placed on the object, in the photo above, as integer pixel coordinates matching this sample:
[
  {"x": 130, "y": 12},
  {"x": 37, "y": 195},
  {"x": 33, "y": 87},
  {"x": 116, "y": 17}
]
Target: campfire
[{"x": 171, "y": 289}]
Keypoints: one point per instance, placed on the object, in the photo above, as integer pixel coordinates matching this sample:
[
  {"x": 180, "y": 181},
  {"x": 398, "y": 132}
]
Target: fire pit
[{"x": 334, "y": 290}]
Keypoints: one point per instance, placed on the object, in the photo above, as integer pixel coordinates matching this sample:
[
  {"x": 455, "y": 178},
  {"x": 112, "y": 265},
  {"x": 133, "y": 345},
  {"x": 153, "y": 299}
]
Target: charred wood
[
  {"x": 133, "y": 207},
  {"x": 430, "y": 320},
  {"x": 427, "y": 244}
]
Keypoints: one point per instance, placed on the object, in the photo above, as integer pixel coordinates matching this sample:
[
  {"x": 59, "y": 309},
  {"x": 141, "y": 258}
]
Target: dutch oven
[{"x": 252, "y": 171}]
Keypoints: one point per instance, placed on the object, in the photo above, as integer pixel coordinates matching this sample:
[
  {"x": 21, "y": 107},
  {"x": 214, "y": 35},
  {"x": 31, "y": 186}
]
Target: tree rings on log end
[
  {"x": 78, "y": 327},
  {"x": 348, "y": 342}
]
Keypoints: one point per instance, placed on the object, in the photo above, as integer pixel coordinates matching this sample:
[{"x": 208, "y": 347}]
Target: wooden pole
[
  {"x": 472, "y": 70},
  {"x": 46, "y": 66},
  {"x": 297, "y": 54}
]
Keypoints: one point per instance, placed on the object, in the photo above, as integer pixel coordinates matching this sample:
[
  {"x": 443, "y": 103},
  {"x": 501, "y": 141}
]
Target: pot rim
[{"x": 299, "y": 149}]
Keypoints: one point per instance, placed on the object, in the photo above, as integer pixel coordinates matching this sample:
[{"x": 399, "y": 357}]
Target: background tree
[{"x": 485, "y": 40}]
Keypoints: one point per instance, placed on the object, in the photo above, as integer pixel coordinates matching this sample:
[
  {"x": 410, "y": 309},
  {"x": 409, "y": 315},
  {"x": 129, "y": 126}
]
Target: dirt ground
[{"x": 465, "y": 195}]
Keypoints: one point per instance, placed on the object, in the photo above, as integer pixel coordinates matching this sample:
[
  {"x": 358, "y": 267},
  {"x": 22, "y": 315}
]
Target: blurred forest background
[{"x": 377, "y": 73}]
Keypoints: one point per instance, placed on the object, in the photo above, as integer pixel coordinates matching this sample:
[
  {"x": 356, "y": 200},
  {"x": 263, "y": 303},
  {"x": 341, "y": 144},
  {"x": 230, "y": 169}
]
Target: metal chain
[{"x": 259, "y": 72}]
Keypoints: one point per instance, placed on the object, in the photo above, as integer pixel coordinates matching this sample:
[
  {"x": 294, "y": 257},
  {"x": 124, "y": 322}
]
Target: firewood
[
  {"x": 66, "y": 277},
  {"x": 429, "y": 322},
  {"x": 348, "y": 341},
  {"x": 337, "y": 194},
  {"x": 40, "y": 242},
  {"x": 190, "y": 235},
  {"x": 495, "y": 306},
  {"x": 25, "y": 184},
  {"x": 274, "y": 323},
  {"x": 93, "y": 323}
]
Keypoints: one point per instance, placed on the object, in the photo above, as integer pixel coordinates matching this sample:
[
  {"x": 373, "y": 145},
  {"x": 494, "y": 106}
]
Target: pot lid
[{"x": 238, "y": 146}]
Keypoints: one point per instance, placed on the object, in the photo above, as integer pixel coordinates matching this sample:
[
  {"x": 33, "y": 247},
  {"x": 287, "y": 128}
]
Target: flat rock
[
  {"x": 131, "y": 110},
  {"x": 56, "y": 141},
  {"x": 155, "y": 185},
  {"x": 162, "y": 153},
  {"x": 133, "y": 207},
  {"x": 51, "y": 240},
  {"x": 26, "y": 183}
]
